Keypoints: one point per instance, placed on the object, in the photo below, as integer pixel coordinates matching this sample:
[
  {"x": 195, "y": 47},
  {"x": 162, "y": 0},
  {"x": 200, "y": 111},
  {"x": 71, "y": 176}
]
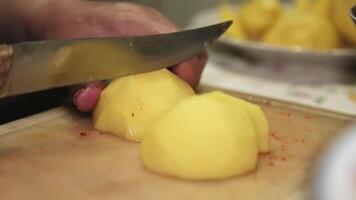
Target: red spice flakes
[
  {"x": 308, "y": 117},
  {"x": 283, "y": 158},
  {"x": 271, "y": 164},
  {"x": 265, "y": 155},
  {"x": 83, "y": 134},
  {"x": 287, "y": 114},
  {"x": 275, "y": 136}
]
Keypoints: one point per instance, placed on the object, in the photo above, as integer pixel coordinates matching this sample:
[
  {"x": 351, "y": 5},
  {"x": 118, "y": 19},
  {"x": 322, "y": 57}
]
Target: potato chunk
[
  {"x": 201, "y": 138},
  {"x": 256, "y": 114},
  {"x": 130, "y": 104}
]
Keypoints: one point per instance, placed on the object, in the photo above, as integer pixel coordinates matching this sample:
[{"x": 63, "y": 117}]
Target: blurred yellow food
[
  {"x": 311, "y": 24},
  {"x": 340, "y": 16},
  {"x": 323, "y": 8},
  {"x": 302, "y": 5},
  {"x": 128, "y": 105},
  {"x": 258, "y": 15},
  {"x": 236, "y": 30},
  {"x": 201, "y": 138},
  {"x": 303, "y": 30}
]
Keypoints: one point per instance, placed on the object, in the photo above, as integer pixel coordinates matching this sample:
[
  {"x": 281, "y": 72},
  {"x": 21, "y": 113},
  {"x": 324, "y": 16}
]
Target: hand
[{"x": 66, "y": 19}]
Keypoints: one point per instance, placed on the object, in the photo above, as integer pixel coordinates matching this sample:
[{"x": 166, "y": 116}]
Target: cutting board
[{"x": 58, "y": 155}]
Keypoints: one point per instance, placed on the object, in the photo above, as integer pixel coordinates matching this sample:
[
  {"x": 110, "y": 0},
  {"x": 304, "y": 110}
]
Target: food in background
[
  {"x": 303, "y": 30},
  {"x": 302, "y": 5},
  {"x": 203, "y": 137},
  {"x": 323, "y": 8},
  {"x": 307, "y": 24},
  {"x": 130, "y": 104},
  {"x": 258, "y": 15},
  {"x": 236, "y": 29}
]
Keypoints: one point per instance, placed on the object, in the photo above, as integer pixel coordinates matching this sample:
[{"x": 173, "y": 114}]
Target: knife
[{"x": 40, "y": 65}]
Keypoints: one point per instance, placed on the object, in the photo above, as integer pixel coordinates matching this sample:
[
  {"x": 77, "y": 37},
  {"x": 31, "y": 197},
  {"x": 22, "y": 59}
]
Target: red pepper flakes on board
[
  {"x": 83, "y": 134},
  {"x": 271, "y": 164},
  {"x": 308, "y": 117},
  {"x": 275, "y": 136},
  {"x": 287, "y": 114}
]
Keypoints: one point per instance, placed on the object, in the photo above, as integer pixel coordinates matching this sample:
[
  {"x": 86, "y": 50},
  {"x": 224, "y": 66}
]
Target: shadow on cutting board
[{"x": 13, "y": 108}]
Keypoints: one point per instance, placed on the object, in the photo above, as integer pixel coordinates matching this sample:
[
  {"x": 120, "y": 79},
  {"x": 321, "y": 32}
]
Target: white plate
[{"x": 337, "y": 169}]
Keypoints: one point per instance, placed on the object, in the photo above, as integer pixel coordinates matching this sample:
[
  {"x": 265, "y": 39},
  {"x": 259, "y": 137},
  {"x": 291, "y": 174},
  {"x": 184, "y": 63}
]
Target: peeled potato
[
  {"x": 303, "y": 30},
  {"x": 303, "y": 5},
  {"x": 130, "y": 104},
  {"x": 323, "y": 8},
  {"x": 236, "y": 29},
  {"x": 201, "y": 138},
  {"x": 258, "y": 15},
  {"x": 255, "y": 113}
]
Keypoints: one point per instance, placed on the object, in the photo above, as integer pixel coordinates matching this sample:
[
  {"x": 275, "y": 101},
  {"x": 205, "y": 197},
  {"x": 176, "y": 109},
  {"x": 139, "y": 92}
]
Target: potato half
[{"x": 130, "y": 104}]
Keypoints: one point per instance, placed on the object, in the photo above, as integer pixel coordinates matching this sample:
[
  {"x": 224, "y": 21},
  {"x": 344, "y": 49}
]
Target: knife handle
[{"x": 6, "y": 52}]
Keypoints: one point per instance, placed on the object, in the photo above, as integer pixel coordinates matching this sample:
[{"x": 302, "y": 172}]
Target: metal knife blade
[{"x": 49, "y": 64}]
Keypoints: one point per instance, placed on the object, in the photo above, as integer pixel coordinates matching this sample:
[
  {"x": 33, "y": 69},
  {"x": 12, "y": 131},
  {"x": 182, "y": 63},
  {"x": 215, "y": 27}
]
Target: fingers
[
  {"x": 98, "y": 19},
  {"x": 191, "y": 70},
  {"x": 103, "y": 19},
  {"x": 86, "y": 97}
]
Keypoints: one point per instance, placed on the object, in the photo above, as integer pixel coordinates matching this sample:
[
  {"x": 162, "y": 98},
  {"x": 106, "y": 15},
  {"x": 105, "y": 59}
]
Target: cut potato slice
[
  {"x": 130, "y": 104},
  {"x": 201, "y": 138},
  {"x": 255, "y": 113}
]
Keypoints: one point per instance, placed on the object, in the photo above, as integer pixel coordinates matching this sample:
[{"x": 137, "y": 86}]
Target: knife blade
[{"x": 41, "y": 65}]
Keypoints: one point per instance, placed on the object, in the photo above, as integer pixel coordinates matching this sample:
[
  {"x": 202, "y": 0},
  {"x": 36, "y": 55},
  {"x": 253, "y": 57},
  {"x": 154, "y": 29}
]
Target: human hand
[{"x": 67, "y": 19}]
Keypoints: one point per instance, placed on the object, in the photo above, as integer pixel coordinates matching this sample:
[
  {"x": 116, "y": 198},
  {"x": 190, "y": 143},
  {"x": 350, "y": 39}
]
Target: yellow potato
[
  {"x": 323, "y": 8},
  {"x": 303, "y": 30},
  {"x": 130, "y": 104},
  {"x": 303, "y": 5},
  {"x": 259, "y": 15},
  {"x": 236, "y": 29},
  {"x": 201, "y": 138},
  {"x": 255, "y": 113},
  {"x": 340, "y": 16}
]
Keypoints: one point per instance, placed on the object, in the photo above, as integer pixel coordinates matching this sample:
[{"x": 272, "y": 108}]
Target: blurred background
[{"x": 179, "y": 11}]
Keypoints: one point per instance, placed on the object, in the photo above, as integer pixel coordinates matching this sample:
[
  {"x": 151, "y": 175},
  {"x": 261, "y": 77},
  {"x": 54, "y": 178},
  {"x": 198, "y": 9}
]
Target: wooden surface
[{"x": 58, "y": 155}]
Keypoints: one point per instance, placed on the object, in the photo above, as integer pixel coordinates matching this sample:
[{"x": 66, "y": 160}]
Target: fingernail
[{"x": 86, "y": 99}]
